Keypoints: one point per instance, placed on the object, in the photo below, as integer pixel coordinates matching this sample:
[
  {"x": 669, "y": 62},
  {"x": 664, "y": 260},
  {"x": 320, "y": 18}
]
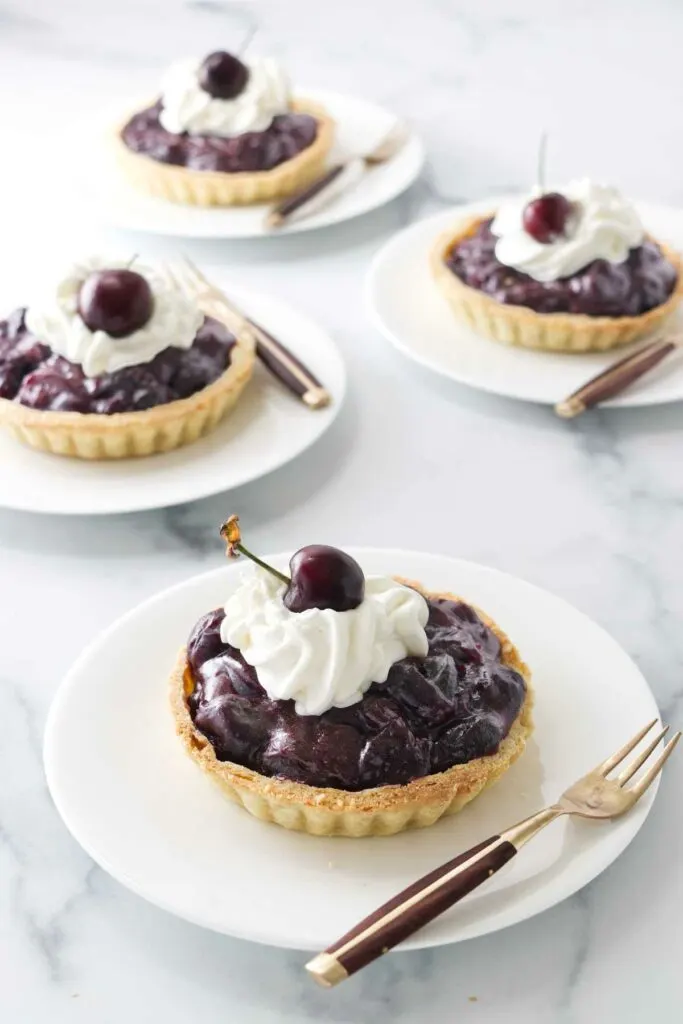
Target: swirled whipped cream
[
  {"x": 603, "y": 225},
  {"x": 321, "y": 658},
  {"x": 186, "y": 107},
  {"x": 55, "y": 320}
]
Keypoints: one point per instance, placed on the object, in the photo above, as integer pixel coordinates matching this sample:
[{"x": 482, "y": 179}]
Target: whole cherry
[
  {"x": 223, "y": 75},
  {"x": 117, "y": 302},
  {"x": 321, "y": 576},
  {"x": 546, "y": 217},
  {"x": 324, "y": 577}
]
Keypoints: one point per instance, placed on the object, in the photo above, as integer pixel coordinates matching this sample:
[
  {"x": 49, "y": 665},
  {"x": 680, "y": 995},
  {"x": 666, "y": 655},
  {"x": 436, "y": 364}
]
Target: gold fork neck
[{"x": 520, "y": 834}]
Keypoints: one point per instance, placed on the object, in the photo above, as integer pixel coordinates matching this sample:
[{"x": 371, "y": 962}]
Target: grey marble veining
[{"x": 593, "y": 510}]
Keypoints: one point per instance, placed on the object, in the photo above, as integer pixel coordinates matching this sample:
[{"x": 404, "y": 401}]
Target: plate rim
[
  {"x": 439, "y": 221},
  {"x": 245, "y": 294},
  {"x": 305, "y": 225},
  {"x": 538, "y": 905}
]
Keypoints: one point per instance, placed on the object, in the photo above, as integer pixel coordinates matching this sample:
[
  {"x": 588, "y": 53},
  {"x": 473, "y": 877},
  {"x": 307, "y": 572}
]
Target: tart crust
[
  {"x": 552, "y": 332},
  {"x": 129, "y": 434},
  {"x": 384, "y": 810},
  {"x": 222, "y": 188}
]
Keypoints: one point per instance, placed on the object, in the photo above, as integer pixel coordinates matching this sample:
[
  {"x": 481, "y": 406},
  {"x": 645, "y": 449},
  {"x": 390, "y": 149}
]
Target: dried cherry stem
[{"x": 232, "y": 535}]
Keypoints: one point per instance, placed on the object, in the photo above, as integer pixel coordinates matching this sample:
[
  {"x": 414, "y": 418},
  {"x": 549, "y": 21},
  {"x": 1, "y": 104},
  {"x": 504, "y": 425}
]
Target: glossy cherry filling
[
  {"x": 644, "y": 280},
  {"x": 32, "y": 374},
  {"x": 286, "y": 137},
  {"x": 455, "y": 705}
]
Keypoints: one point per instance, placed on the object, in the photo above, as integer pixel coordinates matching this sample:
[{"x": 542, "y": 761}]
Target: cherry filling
[
  {"x": 286, "y": 136},
  {"x": 455, "y": 705},
  {"x": 32, "y": 374},
  {"x": 644, "y": 280}
]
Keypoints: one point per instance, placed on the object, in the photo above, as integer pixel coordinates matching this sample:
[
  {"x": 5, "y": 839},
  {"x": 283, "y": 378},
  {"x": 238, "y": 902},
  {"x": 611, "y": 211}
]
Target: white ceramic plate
[
  {"x": 360, "y": 125},
  {"x": 150, "y": 818},
  {"x": 410, "y": 311},
  {"x": 267, "y": 428}
]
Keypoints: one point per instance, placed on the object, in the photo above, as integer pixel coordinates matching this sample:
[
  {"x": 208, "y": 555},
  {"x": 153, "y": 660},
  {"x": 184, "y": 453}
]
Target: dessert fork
[
  {"x": 352, "y": 170},
  {"x": 279, "y": 360},
  {"x": 594, "y": 796},
  {"x": 617, "y": 377}
]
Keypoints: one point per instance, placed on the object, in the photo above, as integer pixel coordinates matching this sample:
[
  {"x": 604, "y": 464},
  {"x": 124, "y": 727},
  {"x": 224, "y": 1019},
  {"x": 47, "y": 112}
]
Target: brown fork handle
[
  {"x": 615, "y": 379},
  {"x": 275, "y": 356},
  {"x": 279, "y": 214},
  {"x": 420, "y": 903}
]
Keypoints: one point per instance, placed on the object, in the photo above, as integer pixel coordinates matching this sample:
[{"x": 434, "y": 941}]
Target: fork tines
[{"x": 650, "y": 775}]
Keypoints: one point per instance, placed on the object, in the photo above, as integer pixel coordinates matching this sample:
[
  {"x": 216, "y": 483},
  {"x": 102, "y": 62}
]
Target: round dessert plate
[
  {"x": 360, "y": 125},
  {"x": 267, "y": 428},
  {"x": 149, "y": 817},
  {"x": 411, "y": 312}
]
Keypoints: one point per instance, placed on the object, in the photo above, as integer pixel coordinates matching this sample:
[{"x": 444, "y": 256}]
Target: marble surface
[{"x": 592, "y": 510}]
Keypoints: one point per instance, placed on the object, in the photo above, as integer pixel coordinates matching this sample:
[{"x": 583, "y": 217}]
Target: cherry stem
[
  {"x": 540, "y": 169},
  {"x": 232, "y": 535},
  {"x": 246, "y": 42},
  {"x": 264, "y": 565},
  {"x": 131, "y": 261}
]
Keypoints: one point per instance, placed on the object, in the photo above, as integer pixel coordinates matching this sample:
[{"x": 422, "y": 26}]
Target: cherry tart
[
  {"x": 572, "y": 273},
  {"x": 106, "y": 374},
  {"x": 423, "y": 741},
  {"x": 224, "y": 133},
  {"x": 422, "y": 745}
]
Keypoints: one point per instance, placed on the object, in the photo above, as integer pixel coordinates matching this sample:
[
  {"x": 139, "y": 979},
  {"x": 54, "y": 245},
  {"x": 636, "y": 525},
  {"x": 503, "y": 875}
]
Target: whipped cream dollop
[
  {"x": 54, "y": 319},
  {"x": 321, "y": 658},
  {"x": 186, "y": 107},
  {"x": 602, "y": 225}
]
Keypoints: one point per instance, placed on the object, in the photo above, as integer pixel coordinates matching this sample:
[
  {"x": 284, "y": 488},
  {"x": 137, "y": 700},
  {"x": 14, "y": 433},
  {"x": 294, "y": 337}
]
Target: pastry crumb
[{"x": 473, "y": 999}]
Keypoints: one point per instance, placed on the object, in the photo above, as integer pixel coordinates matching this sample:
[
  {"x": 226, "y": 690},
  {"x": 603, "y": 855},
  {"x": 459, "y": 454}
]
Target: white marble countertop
[{"x": 591, "y": 510}]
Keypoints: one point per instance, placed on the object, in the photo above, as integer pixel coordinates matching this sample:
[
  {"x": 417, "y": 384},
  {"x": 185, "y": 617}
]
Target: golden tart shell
[
  {"x": 382, "y": 811},
  {"x": 130, "y": 434},
  {"x": 221, "y": 188},
  {"x": 550, "y": 332}
]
